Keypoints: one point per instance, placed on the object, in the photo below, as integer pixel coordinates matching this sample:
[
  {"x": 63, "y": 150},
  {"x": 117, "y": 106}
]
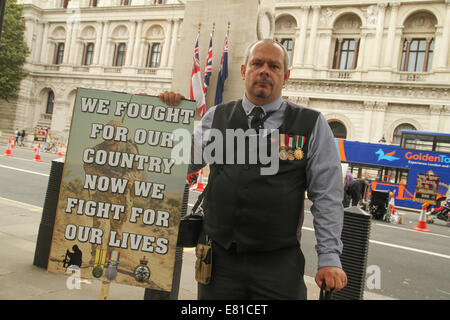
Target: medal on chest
[
  {"x": 299, "y": 142},
  {"x": 283, "y": 149},
  {"x": 291, "y": 147}
]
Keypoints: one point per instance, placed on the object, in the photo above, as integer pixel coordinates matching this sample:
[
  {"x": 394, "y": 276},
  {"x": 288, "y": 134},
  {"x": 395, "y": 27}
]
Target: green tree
[{"x": 13, "y": 51}]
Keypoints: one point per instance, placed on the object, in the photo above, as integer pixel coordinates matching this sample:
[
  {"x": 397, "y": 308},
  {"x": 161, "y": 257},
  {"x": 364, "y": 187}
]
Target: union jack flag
[
  {"x": 208, "y": 68},
  {"x": 196, "y": 90}
]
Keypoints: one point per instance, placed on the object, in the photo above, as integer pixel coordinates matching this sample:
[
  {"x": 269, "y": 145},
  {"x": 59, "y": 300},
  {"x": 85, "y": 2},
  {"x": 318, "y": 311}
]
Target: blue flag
[{"x": 223, "y": 74}]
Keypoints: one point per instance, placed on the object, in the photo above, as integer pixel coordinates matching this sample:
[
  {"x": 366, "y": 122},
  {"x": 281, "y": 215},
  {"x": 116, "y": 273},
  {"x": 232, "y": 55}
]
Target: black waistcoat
[{"x": 257, "y": 212}]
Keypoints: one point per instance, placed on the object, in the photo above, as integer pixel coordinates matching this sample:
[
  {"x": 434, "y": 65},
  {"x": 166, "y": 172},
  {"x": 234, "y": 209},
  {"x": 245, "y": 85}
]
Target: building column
[
  {"x": 137, "y": 43},
  {"x": 98, "y": 43},
  {"x": 313, "y": 35},
  {"x": 299, "y": 54},
  {"x": 74, "y": 47},
  {"x": 361, "y": 52},
  {"x": 130, "y": 44},
  {"x": 39, "y": 41},
  {"x": 388, "y": 57},
  {"x": 174, "y": 43},
  {"x": 167, "y": 41},
  {"x": 103, "y": 53},
  {"x": 68, "y": 42},
  {"x": 395, "y": 61},
  {"x": 368, "y": 111},
  {"x": 444, "y": 119},
  {"x": 378, "y": 122},
  {"x": 379, "y": 34},
  {"x": 435, "y": 112},
  {"x": 45, "y": 42},
  {"x": 30, "y": 27},
  {"x": 59, "y": 115},
  {"x": 443, "y": 54}
]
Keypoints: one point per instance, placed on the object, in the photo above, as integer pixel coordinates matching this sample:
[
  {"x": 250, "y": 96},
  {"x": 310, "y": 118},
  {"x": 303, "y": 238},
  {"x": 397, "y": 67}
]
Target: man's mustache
[{"x": 263, "y": 80}]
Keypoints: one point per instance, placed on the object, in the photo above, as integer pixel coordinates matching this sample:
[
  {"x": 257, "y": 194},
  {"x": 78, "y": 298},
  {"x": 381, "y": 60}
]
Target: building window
[
  {"x": 153, "y": 55},
  {"x": 59, "y": 53},
  {"x": 88, "y": 54},
  {"x": 93, "y": 3},
  {"x": 125, "y": 2},
  {"x": 417, "y": 55},
  {"x": 338, "y": 129},
  {"x": 119, "y": 54},
  {"x": 346, "y": 54},
  {"x": 398, "y": 132},
  {"x": 289, "y": 45},
  {"x": 65, "y": 3},
  {"x": 158, "y": 1},
  {"x": 50, "y": 101}
]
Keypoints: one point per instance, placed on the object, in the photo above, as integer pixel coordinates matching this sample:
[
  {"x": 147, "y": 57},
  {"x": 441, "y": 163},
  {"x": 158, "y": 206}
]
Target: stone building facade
[{"x": 371, "y": 67}]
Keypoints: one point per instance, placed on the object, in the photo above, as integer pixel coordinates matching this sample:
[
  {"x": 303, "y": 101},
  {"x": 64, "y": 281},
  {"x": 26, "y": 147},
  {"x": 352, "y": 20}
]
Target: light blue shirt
[{"x": 323, "y": 172}]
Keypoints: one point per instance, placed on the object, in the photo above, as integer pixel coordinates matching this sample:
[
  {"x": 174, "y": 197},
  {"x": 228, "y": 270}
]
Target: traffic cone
[
  {"x": 422, "y": 224},
  {"x": 393, "y": 210},
  {"x": 60, "y": 151},
  {"x": 8, "y": 150},
  {"x": 37, "y": 157},
  {"x": 200, "y": 185},
  {"x": 35, "y": 147},
  {"x": 12, "y": 143}
]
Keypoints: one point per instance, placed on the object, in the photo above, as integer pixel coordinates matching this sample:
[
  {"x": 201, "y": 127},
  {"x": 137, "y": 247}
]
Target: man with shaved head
[{"x": 254, "y": 220}]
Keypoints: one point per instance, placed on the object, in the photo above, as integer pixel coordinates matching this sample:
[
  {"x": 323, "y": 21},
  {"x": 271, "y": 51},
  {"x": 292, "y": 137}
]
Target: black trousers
[{"x": 273, "y": 275}]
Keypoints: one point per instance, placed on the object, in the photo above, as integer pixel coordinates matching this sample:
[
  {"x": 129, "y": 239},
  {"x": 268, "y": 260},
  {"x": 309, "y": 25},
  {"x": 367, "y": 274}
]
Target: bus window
[
  {"x": 379, "y": 173},
  {"x": 427, "y": 141},
  {"x": 443, "y": 146}
]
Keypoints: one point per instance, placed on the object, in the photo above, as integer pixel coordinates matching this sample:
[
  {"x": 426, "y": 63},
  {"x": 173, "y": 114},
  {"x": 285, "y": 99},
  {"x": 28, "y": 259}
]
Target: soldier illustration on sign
[
  {"x": 126, "y": 198},
  {"x": 74, "y": 258}
]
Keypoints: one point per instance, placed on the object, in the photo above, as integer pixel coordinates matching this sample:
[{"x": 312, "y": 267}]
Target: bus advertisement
[{"x": 414, "y": 176}]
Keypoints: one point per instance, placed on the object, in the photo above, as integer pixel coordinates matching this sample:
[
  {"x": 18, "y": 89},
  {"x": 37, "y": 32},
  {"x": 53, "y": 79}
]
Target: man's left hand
[{"x": 335, "y": 278}]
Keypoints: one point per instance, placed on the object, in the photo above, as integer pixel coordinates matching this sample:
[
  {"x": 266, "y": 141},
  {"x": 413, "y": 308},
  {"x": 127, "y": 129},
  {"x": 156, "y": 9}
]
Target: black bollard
[
  {"x": 45, "y": 234},
  {"x": 355, "y": 237}
]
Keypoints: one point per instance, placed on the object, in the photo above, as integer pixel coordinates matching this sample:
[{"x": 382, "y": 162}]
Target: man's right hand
[{"x": 171, "y": 98}]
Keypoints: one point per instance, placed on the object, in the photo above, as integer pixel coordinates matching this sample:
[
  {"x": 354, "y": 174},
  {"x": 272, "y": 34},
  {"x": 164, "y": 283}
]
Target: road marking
[
  {"x": 35, "y": 208},
  {"x": 23, "y": 159},
  {"x": 399, "y": 247},
  {"x": 23, "y": 170},
  {"x": 410, "y": 249},
  {"x": 429, "y": 233}
]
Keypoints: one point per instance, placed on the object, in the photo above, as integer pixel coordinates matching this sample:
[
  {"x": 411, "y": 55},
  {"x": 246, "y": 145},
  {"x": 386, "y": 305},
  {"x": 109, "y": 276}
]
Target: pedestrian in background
[
  {"x": 348, "y": 178},
  {"x": 356, "y": 190},
  {"x": 22, "y": 137},
  {"x": 16, "y": 136}
]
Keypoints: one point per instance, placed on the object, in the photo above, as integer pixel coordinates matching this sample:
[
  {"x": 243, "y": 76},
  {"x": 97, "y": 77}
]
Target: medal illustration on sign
[
  {"x": 113, "y": 264},
  {"x": 100, "y": 258},
  {"x": 142, "y": 272}
]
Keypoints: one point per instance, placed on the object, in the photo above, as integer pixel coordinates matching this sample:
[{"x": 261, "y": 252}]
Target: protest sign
[{"x": 121, "y": 192}]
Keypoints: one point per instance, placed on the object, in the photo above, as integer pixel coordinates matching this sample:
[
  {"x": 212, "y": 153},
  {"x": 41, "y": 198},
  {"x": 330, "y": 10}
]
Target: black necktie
[{"x": 258, "y": 118}]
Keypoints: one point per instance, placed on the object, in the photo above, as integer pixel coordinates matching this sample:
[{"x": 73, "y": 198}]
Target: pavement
[{"x": 20, "y": 279}]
